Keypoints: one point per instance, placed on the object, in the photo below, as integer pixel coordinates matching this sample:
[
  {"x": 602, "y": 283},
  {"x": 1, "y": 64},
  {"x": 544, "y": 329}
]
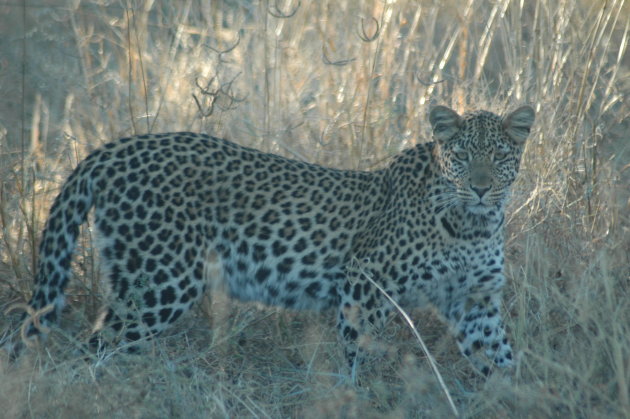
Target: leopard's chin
[{"x": 483, "y": 209}]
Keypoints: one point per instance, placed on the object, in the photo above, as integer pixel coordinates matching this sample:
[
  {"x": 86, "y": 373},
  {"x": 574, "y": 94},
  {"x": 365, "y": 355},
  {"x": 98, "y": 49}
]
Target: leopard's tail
[{"x": 69, "y": 210}]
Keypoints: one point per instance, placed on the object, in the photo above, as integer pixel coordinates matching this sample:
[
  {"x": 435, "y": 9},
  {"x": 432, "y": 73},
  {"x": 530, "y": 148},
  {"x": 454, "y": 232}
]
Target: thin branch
[
  {"x": 130, "y": 73},
  {"x": 226, "y": 90},
  {"x": 32, "y": 318},
  {"x": 223, "y": 90},
  {"x": 363, "y": 34},
  {"x": 339, "y": 63},
  {"x": 276, "y": 12},
  {"x": 222, "y": 52},
  {"x": 428, "y": 83}
]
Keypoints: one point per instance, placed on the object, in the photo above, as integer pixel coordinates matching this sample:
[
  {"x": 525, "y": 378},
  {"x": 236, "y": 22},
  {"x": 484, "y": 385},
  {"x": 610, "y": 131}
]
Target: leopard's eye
[
  {"x": 461, "y": 155},
  {"x": 500, "y": 155}
]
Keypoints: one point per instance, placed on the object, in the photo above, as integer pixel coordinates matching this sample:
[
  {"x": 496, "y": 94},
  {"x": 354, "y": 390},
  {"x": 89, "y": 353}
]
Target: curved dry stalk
[
  {"x": 277, "y": 13},
  {"x": 222, "y": 52},
  {"x": 338, "y": 63},
  {"x": 33, "y": 317},
  {"x": 363, "y": 33},
  {"x": 408, "y": 320}
]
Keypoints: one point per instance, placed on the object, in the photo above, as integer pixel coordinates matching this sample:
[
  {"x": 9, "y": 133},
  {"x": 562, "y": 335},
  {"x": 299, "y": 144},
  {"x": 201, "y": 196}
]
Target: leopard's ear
[
  {"x": 445, "y": 123},
  {"x": 518, "y": 124}
]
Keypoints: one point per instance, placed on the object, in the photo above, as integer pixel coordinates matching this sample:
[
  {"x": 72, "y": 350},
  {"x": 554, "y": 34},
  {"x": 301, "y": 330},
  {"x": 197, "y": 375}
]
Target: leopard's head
[{"x": 479, "y": 154}]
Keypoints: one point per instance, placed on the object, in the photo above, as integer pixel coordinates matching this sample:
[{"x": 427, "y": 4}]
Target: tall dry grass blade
[{"x": 409, "y": 322}]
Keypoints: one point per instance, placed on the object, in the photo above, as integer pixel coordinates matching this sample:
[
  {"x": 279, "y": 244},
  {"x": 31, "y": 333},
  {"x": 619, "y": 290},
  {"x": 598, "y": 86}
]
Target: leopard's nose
[{"x": 480, "y": 191}]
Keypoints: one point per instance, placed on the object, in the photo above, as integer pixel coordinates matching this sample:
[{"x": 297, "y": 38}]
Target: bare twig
[
  {"x": 339, "y": 63},
  {"x": 363, "y": 34},
  {"x": 145, "y": 88},
  {"x": 223, "y": 90},
  {"x": 33, "y": 317},
  {"x": 130, "y": 73},
  {"x": 222, "y": 52},
  {"x": 276, "y": 12}
]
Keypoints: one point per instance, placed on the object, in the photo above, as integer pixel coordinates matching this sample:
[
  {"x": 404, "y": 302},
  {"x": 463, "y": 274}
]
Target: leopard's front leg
[
  {"x": 478, "y": 324},
  {"x": 361, "y": 312}
]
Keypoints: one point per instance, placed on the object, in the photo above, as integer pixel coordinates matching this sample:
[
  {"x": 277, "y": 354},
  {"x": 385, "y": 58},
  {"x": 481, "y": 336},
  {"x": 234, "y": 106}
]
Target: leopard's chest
[{"x": 448, "y": 270}]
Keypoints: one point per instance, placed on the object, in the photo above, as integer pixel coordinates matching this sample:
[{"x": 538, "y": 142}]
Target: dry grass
[{"x": 74, "y": 74}]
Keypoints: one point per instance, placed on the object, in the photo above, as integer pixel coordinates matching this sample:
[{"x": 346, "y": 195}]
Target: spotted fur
[{"x": 179, "y": 213}]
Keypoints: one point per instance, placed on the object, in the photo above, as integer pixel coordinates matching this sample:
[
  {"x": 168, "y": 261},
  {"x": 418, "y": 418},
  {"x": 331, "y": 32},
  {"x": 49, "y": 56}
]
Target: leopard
[{"x": 181, "y": 215}]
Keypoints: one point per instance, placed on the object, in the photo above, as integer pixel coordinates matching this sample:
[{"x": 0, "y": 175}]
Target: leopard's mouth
[{"x": 480, "y": 207}]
